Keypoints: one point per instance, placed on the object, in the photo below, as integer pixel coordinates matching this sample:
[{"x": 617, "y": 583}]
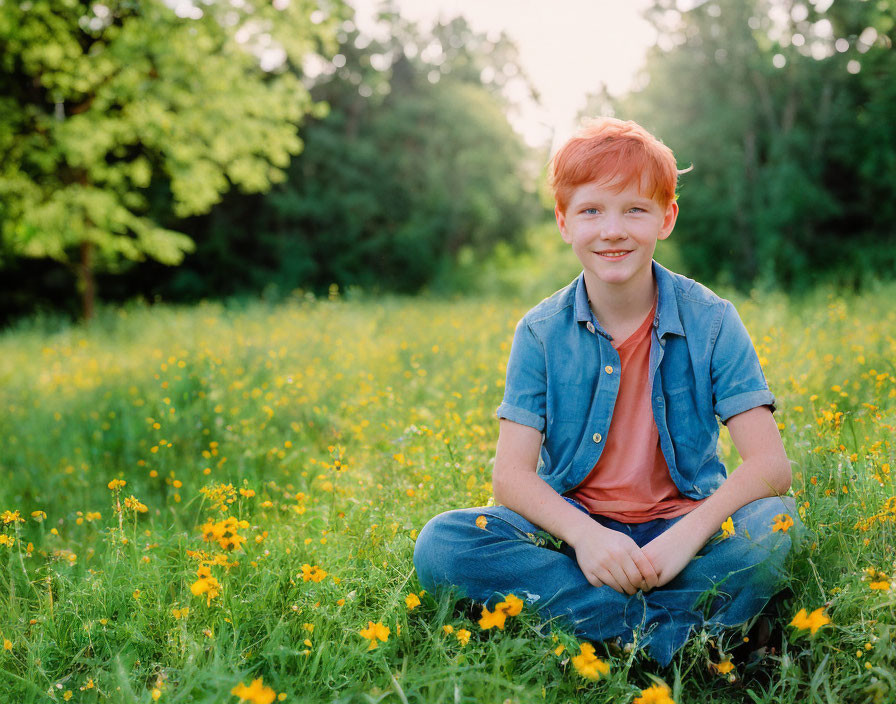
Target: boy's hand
[
  {"x": 670, "y": 552},
  {"x": 608, "y": 557}
]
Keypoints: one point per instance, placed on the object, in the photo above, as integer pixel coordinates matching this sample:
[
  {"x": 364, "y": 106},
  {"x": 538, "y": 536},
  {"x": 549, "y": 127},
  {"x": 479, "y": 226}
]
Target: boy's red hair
[{"x": 610, "y": 151}]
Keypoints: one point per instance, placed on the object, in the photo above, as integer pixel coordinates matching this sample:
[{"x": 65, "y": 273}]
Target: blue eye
[{"x": 590, "y": 211}]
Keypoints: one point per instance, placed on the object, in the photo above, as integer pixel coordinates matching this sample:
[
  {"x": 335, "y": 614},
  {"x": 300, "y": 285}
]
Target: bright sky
[{"x": 567, "y": 47}]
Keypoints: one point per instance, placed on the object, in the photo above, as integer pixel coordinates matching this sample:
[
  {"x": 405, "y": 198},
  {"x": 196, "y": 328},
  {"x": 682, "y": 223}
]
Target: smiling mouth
[{"x": 613, "y": 253}]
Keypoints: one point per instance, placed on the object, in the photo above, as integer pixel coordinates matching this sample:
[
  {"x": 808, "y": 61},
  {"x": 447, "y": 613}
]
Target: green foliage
[
  {"x": 414, "y": 162},
  {"x": 786, "y": 114},
  {"x": 99, "y": 101}
]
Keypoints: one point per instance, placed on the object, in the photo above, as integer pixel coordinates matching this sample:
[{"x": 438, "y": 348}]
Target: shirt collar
[{"x": 666, "y": 319}]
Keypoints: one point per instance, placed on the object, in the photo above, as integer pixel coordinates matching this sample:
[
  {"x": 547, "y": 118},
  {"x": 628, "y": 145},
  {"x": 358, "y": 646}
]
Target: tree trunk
[{"x": 86, "y": 282}]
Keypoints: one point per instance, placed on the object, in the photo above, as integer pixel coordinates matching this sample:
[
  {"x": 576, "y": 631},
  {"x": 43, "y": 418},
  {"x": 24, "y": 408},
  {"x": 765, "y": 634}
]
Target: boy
[{"x": 608, "y": 431}]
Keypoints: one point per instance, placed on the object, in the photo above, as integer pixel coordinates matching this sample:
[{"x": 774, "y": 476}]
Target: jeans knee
[{"x": 433, "y": 551}]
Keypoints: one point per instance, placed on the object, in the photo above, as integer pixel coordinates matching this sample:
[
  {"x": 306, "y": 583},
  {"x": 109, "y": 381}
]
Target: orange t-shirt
[{"x": 631, "y": 481}]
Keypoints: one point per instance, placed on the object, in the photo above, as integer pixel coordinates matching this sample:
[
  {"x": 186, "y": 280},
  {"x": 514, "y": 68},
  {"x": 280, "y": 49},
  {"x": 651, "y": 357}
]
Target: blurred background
[{"x": 182, "y": 150}]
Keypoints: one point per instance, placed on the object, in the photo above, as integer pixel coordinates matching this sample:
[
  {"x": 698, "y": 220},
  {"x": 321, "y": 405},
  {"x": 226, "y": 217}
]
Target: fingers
[
  {"x": 650, "y": 577},
  {"x": 632, "y": 576}
]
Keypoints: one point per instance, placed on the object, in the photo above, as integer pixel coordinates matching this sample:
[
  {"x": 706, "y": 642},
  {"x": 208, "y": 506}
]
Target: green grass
[{"x": 354, "y": 422}]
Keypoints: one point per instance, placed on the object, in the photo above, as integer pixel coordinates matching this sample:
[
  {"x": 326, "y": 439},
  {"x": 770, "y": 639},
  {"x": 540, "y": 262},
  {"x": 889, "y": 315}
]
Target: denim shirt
[{"x": 563, "y": 377}]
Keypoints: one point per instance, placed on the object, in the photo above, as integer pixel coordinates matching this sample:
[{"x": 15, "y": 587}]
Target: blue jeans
[{"x": 726, "y": 584}]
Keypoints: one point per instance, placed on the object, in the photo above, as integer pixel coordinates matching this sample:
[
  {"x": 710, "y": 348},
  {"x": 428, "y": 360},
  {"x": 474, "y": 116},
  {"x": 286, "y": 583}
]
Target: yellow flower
[
  {"x": 588, "y": 664},
  {"x": 38, "y": 515},
  {"x": 374, "y": 631},
  {"x": 134, "y": 504},
  {"x": 782, "y": 522},
  {"x": 495, "y": 618},
  {"x": 7, "y": 540},
  {"x": 511, "y": 605},
  {"x": 11, "y": 517},
  {"x": 7, "y": 644},
  {"x": 116, "y": 484},
  {"x": 67, "y": 695},
  {"x": 463, "y": 636},
  {"x": 812, "y": 621},
  {"x": 655, "y": 694},
  {"x": 256, "y": 693},
  {"x": 724, "y": 667},
  {"x": 206, "y": 584},
  {"x": 728, "y": 528},
  {"x": 448, "y": 629},
  {"x": 412, "y": 601},
  {"x": 314, "y": 574},
  {"x": 883, "y": 586},
  {"x": 156, "y": 694},
  {"x": 481, "y": 522}
]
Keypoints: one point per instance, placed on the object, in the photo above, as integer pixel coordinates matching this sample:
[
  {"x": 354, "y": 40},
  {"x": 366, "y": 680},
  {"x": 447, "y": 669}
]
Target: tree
[
  {"x": 414, "y": 162},
  {"x": 785, "y": 111},
  {"x": 101, "y": 101}
]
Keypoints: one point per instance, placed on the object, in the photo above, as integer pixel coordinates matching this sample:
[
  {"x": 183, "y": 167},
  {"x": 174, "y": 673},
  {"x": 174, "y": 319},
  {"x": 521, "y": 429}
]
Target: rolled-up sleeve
[
  {"x": 526, "y": 384},
  {"x": 738, "y": 383}
]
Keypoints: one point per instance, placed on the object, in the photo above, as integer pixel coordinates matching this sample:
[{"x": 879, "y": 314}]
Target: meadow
[{"x": 198, "y": 498}]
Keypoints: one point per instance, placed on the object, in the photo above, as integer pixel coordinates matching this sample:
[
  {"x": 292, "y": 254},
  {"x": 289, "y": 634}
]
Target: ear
[
  {"x": 669, "y": 218},
  {"x": 561, "y": 224}
]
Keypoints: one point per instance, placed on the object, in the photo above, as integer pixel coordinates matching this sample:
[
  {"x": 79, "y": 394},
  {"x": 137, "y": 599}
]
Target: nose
[{"x": 613, "y": 228}]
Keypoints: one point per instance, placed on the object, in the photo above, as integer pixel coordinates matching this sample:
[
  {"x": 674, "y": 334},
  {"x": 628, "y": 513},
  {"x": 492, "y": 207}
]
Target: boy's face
[{"x": 614, "y": 233}]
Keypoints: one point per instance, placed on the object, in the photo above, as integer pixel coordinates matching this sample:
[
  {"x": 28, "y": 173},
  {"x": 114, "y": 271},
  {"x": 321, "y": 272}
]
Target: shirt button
[
  {"x": 659, "y": 399},
  {"x": 608, "y": 369},
  {"x": 596, "y": 437},
  {"x": 590, "y": 326}
]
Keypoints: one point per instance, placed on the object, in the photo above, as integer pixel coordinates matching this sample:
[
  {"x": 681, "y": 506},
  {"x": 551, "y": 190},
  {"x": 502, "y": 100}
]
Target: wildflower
[
  {"x": 463, "y": 636},
  {"x": 7, "y": 644},
  {"x": 724, "y": 667},
  {"x": 728, "y": 528},
  {"x": 812, "y": 621},
  {"x": 206, "y": 584},
  {"x": 448, "y": 629},
  {"x": 134, "y": 504},
  {"x": 492, "y": 618},
  {"x": 38, "y": 515},
  {"x": 374, "y": 631},
  {"x": 256, "y": 693},
  {"x": 511, "y": 605},
  {"x": 882, "y": 585},
  {"x": 481, "y": 522},
  {"x": 782, "y": 522},
  {"x": 655, "y": 694},
  {"x": 225, "y": 532},
  {"x": 11, "y": 517},
  {"x": 180, "y": 613},
  {"x": 116, "y": 484},
  {"x": 314, "y": 574},
  {"x": 588, "y": 664},
  {"x": 156, "y": 694},
  {"x": 7, "y": 540},
  {"x": 412, "y": 601}
]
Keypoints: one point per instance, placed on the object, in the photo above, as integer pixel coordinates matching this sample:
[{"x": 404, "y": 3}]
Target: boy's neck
[{"x": 618, "y": 308}]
